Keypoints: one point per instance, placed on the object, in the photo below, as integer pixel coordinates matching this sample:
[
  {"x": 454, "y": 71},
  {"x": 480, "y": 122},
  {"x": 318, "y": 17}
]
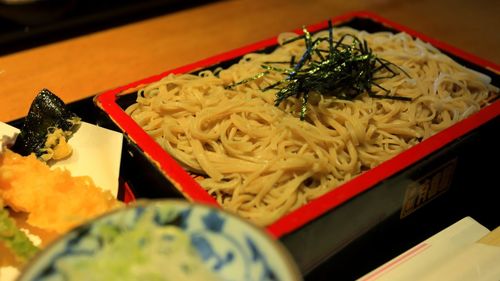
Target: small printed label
[{"x": 428, "y": 187}]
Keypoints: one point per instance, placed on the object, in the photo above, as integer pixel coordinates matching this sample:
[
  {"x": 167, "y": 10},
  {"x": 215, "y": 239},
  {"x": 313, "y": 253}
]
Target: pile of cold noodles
[{"x": 261, "y": 161}]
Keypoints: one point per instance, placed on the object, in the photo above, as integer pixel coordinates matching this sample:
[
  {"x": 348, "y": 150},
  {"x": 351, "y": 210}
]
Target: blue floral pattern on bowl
[{"x": 228, "y": 246}]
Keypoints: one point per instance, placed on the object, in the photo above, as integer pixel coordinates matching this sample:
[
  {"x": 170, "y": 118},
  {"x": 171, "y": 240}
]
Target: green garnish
[
  {"x": 342, "y": 70},
  {"x": 15, "y": 239}
]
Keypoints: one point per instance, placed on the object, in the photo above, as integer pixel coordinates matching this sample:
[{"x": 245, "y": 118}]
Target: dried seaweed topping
[{"x": 344, "y": 69}]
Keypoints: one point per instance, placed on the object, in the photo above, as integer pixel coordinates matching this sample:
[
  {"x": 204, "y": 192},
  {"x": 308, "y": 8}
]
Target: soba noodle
[{"x": 261, "y": 161}]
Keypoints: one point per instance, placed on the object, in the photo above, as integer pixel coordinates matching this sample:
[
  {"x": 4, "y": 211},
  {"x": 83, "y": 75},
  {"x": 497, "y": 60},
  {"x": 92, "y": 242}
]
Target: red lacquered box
[{"x": 392, "y": 191}]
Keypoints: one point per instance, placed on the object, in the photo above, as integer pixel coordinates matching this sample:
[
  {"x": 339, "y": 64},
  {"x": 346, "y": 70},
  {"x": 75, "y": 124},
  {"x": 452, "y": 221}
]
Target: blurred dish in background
[
  {"x": 30, "y": 23},
  {"x": 35, "y": 12},
  {"x": 165, "y": 240}
]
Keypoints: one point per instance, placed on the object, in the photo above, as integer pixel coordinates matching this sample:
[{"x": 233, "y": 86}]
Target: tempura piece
[
  {"x": 47, "y": 128},
  {"x": 13, "y": 238},
  {"x": 54, "y": 200}
]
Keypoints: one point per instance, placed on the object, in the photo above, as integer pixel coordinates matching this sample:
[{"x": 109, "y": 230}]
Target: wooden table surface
[
  {"x": 86, "y": 65},
  {"x": 90, "y": 64}
]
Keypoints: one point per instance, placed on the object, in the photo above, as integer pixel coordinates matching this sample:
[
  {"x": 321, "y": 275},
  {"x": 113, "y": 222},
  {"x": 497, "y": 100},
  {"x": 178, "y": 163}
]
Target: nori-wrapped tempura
[{"x": 46, "y": 128}]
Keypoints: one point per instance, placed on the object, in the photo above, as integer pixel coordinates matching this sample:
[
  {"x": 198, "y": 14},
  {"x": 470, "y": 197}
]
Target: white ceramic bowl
[{"x": 229, "y": 247}]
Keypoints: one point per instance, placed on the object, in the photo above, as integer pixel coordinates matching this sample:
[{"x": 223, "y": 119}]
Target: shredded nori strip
[
  {"x": 47, "y": 112},
  {"x": 343, "y": 70}
]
